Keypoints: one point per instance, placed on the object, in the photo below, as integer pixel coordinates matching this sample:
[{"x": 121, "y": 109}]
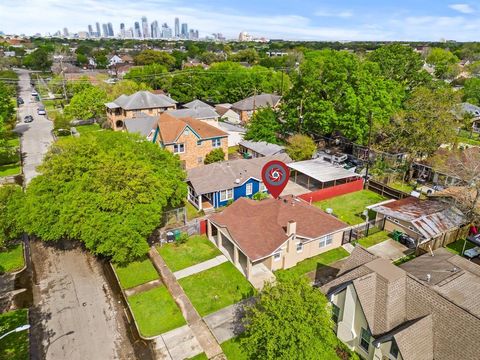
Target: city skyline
[{"x": 314, "y": 20}]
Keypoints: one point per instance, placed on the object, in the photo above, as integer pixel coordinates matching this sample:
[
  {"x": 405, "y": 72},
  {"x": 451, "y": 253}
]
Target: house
[
  {"x": 206, "y": 114},
  {"x": 214, "y": 185},
  {"x": 127, "y": 106},
  {"x": 472, "y": 111},
  {"x": 246, "y": 108},
  {"x": 256, "y": 149},
  {"x": 145, "y": 125},
  {"x": 425, "y": 309},
  {"x": 431, "y": 223},
  {"x": 235, "y": 132},
  {"x": 115, "y": 60},
  {"x": 196, "y": 104},
  {"x": 189, "y": 138},
  {"x": 273, "y": 234},
  {"x": 227, "y": 114}
]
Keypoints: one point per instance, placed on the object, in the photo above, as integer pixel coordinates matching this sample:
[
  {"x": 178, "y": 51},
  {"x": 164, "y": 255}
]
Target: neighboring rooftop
[
  {"x": 321, "y": 170},
  {"x": 142, "y": 124},
  {"x": 257, "y": 101},
  {"x": 471, "y": 109},
  {"x": 262, "y": 147},
  {"x": 197, "y": 104},
  {"x": 141, "y": 100},
  {"x": 228, "y": 174},
  {"x": 259, "y": 227},
  {"x": 201, "y": 113}
]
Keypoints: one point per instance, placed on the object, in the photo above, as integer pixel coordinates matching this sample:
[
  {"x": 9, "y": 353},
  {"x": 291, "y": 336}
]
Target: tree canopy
[
  {"x": 38, "y": 60},
  {"x": 445, "y": 62},
  {"x": 216, "y": 155},
  {"x": 87, "y": 104},
  {"x": 471, "y": 91},
  {"x": 149, "y": 57},
  {"x": 11, "y": 197},
  {"x": 290, "y": 320},
  {"x": 106, "y": 189},
  {"x": 300, "y": 147},
  {"x": 263, "y": 126}
]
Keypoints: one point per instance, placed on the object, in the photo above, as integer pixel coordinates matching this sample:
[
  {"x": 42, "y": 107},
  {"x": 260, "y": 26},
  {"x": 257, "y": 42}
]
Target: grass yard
[
  {"x": 10, "y": 169},
  {"x": 85, "y": 129},
  {"x": 402, "y": 186},
  {"x": 197, "y": 249},
  {"x": 12, "y": 259},
  {"x": 155, "y": 311},
  {"x": 14, "y": 141},
  {"x": 404, "y": 259},
  {"x": 457, "y": 246},
  {"x": 200, "y": 356},
  {"x": 233, "y": 349},
  {"x": 233, "y": 149},
  {"x": 311, "y": 264},
  {"x": 136, "y": 273},
  {"x": 16, "y": 345},
  {"x": 192, "y": 212},
  {"x": 373, "y": 239},
  {"x": 216, "y": 288},
  {"x": 349, "y": 207},
  {"x": 467, "y": 138}
]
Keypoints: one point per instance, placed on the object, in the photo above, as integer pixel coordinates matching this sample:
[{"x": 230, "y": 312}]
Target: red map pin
[{"x": 275, "y": 175}]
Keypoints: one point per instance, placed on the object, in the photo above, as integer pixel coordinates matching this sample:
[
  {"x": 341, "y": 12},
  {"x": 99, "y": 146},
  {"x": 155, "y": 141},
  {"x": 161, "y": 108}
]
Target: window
[
  {"x": 178, "y": 148},
  {"x": 411, "y": 228},
  {"x": 186, "y": 132},
  {"x": 226, "y": 195},
  {"x": 262, "y": 187},
  {"x": 276, "y": 256},
  {"x": 335, "y": 313},
  {"x": 299, "y": 247},
  {"x": 216, "y": 143},
  {"x": 325, "y": 241},
  {"x": 394, "y": 350},
  {"x": 365, "y": 339},
  {"x": 396, "y": 221},
  {"x": 249, "y": 189}
]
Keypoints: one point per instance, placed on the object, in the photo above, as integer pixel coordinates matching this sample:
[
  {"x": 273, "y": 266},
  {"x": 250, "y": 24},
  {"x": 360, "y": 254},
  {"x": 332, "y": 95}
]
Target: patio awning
[{"x": 321, "y": 170}]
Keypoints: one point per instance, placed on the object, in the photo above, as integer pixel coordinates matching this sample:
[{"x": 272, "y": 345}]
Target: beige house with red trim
[{"x": 263, "y": 236}]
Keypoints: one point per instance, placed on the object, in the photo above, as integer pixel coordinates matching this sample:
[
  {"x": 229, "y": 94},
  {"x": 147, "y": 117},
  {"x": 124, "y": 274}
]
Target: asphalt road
[{"x": 75, "y": 314}]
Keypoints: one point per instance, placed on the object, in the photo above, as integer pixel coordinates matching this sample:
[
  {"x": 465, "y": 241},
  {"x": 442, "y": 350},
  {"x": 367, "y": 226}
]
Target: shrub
[{"x": 215, "y": 155}]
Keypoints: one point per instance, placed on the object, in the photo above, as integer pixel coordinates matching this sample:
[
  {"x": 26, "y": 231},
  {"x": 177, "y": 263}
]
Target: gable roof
[
  {"x": 197, "y": 104},
  {"x": 262, "y": 147},
  {"x": 257, "y": 101},
  {"x": 171, "y": 128},
  {"x": 267, "y": 221},
  {"x": 142, "y": 125},
  {"x": 196, "y": 113},
  {"x": 228, "y": 174},
  {"x": 143, "y": 100}
]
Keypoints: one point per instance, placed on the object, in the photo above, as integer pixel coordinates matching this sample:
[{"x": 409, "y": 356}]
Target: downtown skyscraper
[
  {"x": 177, "y": 27},
  {"x": 146, "y": 32}
]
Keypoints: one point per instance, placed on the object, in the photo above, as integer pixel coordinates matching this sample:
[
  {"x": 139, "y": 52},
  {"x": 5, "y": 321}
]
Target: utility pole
[
  {"x": 281, "y": 89},
  {"x": 368, "y": 148},
  {"x": 63, "y": 78},
  {"x": 300, "y": 117}
]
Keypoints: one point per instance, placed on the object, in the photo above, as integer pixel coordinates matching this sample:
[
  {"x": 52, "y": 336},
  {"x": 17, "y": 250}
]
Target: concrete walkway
[
  {"x": 390, "y": 250},
  {"x": 349, "y": 247},
  {"x": 143, "y": 287},
  {"x": 220, "y": 259},
  {"x": 177, "y": 344},
  {"x": 199, "y": 328}
]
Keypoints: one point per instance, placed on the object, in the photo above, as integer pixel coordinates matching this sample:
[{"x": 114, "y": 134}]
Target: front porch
[{"x": 201, "y": 202}]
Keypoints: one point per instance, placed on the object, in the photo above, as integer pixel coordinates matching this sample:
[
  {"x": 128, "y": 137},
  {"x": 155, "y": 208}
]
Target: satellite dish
[
  {"x": 237, "y": 181},
  {"x": 329, "y": 210}
]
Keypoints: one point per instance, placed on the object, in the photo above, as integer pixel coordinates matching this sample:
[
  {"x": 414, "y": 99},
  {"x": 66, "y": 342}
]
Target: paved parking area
[
  {"x": 294, "y": 189},
  {"x": 390, "y": 250}
]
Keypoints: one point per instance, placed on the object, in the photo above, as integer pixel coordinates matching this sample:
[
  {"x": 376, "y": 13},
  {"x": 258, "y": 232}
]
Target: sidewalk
[
  {"x": 220, "y": 259},
  {"x": 199, "y": 328}
]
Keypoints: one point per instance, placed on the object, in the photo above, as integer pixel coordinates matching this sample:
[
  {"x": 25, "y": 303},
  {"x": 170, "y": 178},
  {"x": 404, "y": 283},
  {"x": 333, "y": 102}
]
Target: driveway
[{"x": 37, "y": 135}]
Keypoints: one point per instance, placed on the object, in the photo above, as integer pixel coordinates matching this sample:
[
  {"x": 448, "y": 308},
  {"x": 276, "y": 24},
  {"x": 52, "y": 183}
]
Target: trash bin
[
  {"x": 170, "y": 236},
  {"x": 396, "y": 235},
  {"x": 177, "y": 234}
]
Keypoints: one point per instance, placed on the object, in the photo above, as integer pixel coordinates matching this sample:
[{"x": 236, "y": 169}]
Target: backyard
[
  {"x": 216, "y": 288},
  {"x": 195, "y": 250},
  {"x": 12, "y": 259},
  {"x": 136, "y": 273},
  {"x": 465, "y": 137},
  {"x": 376, "y": 236},
  {"x": 457, "y": 246},
  {"x": 85, "y": 129},
  {"x": 349, "y": 208},
  {"x": 16, "y": 345}
]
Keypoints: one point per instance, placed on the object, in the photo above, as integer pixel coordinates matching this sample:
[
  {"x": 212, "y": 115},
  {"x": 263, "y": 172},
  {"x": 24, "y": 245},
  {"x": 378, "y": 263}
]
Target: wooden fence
[{"x": 386, "y": 190}]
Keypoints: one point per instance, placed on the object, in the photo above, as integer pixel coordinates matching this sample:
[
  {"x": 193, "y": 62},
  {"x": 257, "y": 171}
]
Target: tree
[
  {"x": 249, "y": 55},
  {"x": 87, "y": 104},
  {"x": 149, "y": 57},
  {"x": 7, "y": 110},
  {"x": 216, "y": 155},
  {"x": 11, "y": 198},
  {"x": 471, "y": 91},
  {"x": 290, "y": 320},
  {"x": 263, "y": 126},
  {"x": 107, "y": 190},
  {"x": 38, "y": 60},
  {"x": 300, "y": 147},
  {"x": 335, "y": 92},
  {"x": 152, "y": 75},
  {"x": 126, "y": 87},
  {"x": 400, "y": 63},
  {"x": 443, "y": 60}
]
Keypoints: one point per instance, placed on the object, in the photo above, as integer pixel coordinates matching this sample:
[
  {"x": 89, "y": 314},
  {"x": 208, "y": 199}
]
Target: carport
[{"x": 318, "y": 174}]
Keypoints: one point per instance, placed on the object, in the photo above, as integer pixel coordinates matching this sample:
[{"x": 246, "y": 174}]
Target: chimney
[
  {"x": 429, "y": 277},
  {"x": 291, "y": 227}
]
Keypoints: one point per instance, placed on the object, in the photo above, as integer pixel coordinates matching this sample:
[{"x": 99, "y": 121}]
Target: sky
[{"x": 406, "y": 20}]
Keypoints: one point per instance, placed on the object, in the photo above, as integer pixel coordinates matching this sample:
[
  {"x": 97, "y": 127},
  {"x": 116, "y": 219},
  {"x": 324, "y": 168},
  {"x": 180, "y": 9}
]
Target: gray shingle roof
[
  {"x": 471, "y": 109},
  {"x": 262, "y": 147},
  {"x": 224, "y": 175},
  {"x": 197, "y": 104},
  {"x": 142, "y": 125},
  {"x": 257, "y": 101},
  {"x": 197, "y": 113},
  {"x": 143, "y": 100}
]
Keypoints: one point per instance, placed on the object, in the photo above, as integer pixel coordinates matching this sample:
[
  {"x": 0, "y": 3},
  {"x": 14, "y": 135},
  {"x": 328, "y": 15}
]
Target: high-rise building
[
  {"x": 98, "y": 29},
  {"x": 154, "y": 30},
  {"x": 177, "y": 27},
  {"x": 191, "y": 34},
  {"x": 137, "y": 33},
  {"x": 122, "y": 30},
  {"x": 65, "y": 32},
  {"x": 129, "y": 33},
  {"x": 166, "y": 31},
  {"x": 105, "y": 30},
  {"x": 110, "y": 29},
  {"x": 184, "y": 33},
  {"x": 146, "y": 33},
  {"x": 90, "y": 30}
]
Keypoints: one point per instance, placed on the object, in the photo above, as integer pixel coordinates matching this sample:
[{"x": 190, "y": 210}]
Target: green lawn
[
  {"x": 216, "y": 288},
  {"x": 136, "y": 273},
  {"x": 373, "y": 239},
  {"x": 85, "y": 129},
  {"x": 200, "y": 356},
  {"x": 404, "y": 259},
  {"x": 467, "y": 138},
  {"x": 10, "y": 169},
  {"x": 12, "y": 259},
  {"x": 457, "y": 246},
  {"x": 196, "y": 250},
  {"x": 233, "y": 350},
  {"x": 402, "y": 186},
  {"x": 14, "y": 346},
  {"x": 311, "y": 264},
  {"x": 192, "y": 212},
  {"x": 155, "y": 311},
  {"x": 14, "y": 141},
  {"x": 349, "y": 207}
]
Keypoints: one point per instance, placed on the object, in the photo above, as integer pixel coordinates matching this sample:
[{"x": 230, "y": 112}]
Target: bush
[
  {"x": 182, "y": 239},
  {"x": 260, "y": 196},
  {"x": 215, "y": 155},
  {"x": 300, "y": 147}
]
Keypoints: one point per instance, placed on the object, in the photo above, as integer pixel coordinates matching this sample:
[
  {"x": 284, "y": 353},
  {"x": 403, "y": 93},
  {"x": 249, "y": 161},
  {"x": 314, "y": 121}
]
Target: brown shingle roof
[
  {"x": 171, "y": 128},
  {"x": 259, "y": 227}
]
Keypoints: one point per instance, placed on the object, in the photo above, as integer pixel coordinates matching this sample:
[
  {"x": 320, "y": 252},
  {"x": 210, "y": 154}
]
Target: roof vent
[
  {"x": 429, "y": 277},
  {"x": 455, "y": 269},
  {"x": 237, "y": 181}
]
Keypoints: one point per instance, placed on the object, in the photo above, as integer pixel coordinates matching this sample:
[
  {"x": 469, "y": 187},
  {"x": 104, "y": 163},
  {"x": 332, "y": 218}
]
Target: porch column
[
  {"x": 209, "y": 229},
  {"x": 235, "y": 255},
  {"x": 249, "y": 267},
  {"x": 219, "y": 238},
  {"x": 199, "y": 202}
]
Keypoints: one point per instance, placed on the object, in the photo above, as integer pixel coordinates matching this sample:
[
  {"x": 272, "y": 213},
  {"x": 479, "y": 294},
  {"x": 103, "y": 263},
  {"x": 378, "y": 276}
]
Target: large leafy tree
[
  {"x": 7, "y": 110},
  {"x": 153, "y": 75},
  {"x": 149, "y": 57},
  {"x": 263, "y": 126},
  {"x": 471, "y": 91},
  {"x": 335, "y": 92},
  {"x": 11, "y": 199},
  {"x": 300, "y": 147},
  {"x": 38, "y": 60},
  {"x": 87, "y": 104},
  {"x": 290, "y": 320},
  {"x": 107, "y": 190},
  {"x": 445, "y": 62}
]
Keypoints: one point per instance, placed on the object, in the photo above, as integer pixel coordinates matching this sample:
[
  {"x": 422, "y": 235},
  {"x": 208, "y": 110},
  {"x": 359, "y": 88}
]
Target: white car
[{"x": 34, "y": 93}]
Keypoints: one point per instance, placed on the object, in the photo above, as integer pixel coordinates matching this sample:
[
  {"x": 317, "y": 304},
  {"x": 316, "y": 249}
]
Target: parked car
[
  {"x": 20, "y": 101},
  {"x": 334, "y": 158},
  {"x": 34, "y": 93},
  {"x": 28, "y": 119},
  {"x": 41, "y": 110}
]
